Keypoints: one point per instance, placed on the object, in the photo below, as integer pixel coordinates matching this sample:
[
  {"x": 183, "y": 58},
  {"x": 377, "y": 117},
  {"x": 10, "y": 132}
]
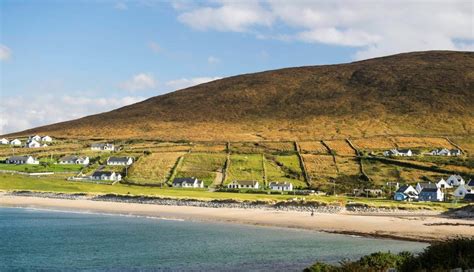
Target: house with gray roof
[
  {"x": 106, "y": 175},
  {"x": 123, "y": 161},
  {"x": 21, "y": 160},
  {"x": 421, "y": 185},
  {"x": 431, "y": 194},
  {"x": 398, "y": 152},
  {"x": 455, "y": 180},
  {"x": 463, "y": 190},
  {"x": 280, "y": 186},
  {"x": 243, "y": 184},
  {"x": 191, "y": 182},
  {"x": 4, "y": 141},
  {"x": 74, "y": 160},
  {"x": 102, "y": 147}
]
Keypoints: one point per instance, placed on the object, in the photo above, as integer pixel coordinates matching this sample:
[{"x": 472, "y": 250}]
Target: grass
[
  {"x": 374, "y": 143},
  {"x": 340, "y": 147},
  {"x": 313, "y": 147},
  {"x": 284, "y": 168},
  {"x": 245, "y": 167},
  {"x": 206, "y": 147},
  {"x": 36, "y": 168},
  {"x": 320, "y": 167},
  {"x": 381, "y": 173},
  {"x": 154, "y": 168},
  {"x": 420, "y": 142},
  {"x": 348, "y": 166},
  {"x": 262, "y": 147},
  {"x": 58, "y": 184},
  {"x": 203, "y": 166}
]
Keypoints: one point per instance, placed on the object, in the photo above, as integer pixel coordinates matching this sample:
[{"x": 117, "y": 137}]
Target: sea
[{"x": 48, "y": 240}]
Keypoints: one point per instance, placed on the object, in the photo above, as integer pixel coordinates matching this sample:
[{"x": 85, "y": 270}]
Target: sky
[{"x": 64, "y": 59}]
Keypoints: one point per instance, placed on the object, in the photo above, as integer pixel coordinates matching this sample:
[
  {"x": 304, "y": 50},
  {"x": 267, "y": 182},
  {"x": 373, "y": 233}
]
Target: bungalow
[
  {"x": 188, "y": 183},
  {"x": 442, "y": 184},
  {"x": 106, "y": 175},
  {"x": 423, "y": 185},
  {"x": 21, "y": 160},
  {"x": 74, "y": 160},
  {"x": 15, "y": 142},
  {"x": 281, "y": 186},
  {"x": 47, "y": 139},
  {"x": 431, "y": 194},
  {"x": 455, "y": 180},
  {"x": 103, "y": 147},
  {"x": 445, "y": 152},
  {"x": 406, "y": 192},
  {"x": 120, "y": 161},
  {"x": 36, "y": 138},
  {"x": 398, "y": 152},
  {"x": 4, "y": 141},
  {"x": 33, "y": 144},
  {"x": 462, "y": 191},
  {"x": 243, "y": 184}
]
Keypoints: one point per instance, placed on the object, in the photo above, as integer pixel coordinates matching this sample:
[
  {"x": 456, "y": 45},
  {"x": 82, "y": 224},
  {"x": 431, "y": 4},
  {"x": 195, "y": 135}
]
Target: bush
[{"x": 440, "y": 256}]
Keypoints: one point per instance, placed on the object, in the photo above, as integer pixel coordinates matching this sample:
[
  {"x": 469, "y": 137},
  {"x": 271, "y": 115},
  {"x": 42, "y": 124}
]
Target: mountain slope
[{"x": 414, "y": 93}]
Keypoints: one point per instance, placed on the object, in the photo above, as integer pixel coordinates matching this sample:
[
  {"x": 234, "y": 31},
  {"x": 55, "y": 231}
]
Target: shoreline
[{"x": 410, "y": 227}]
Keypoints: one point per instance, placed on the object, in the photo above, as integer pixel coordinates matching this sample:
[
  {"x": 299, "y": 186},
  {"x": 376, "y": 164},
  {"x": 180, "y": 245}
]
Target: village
[{"x": 109, "y": 163}]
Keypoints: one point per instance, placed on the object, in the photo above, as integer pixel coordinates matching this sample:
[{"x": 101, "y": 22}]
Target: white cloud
[
  {"x": 154, "y": 47},
  {"x": 373, "y": 28},
  {"x": 5, "y": 52},
  {"x": 213, "y": 60},
  {"x": 188, "y": 82},
  {"x": 121, "y": 6},
  {"x": 139, "y": 82},
  {"x": 231, "y": 16},
  {"x": 20, "y": 113}
]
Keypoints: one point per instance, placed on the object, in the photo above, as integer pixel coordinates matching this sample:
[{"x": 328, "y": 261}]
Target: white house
[
  {"x": 406, "y": 192},
  {"x": 74, "y": 160},
  {"x": 36, "y": 138},
  {"x": 445, "y": 152},
  {"x": 4, "y": 141},
  {"x": 462, "y": 190},
  {"x": 47, "y": 139},
  {"x": 431, "y": 194},
  {"x": 243, "y": 184},
  {"x": 188, "y": 183},
  {"x": 281, "y": 186},
  {"x": 15, "y": 142},
  {"x": 120, "y": 161},
  {"x": 33, "y": 144},
  {"x": 103, "y": 147},
  {"x": 425, "y": 185},
  {"x": 455, "y": 180},
  {"x": 22, "y": 160},
  {"x": 398, "y": 152},
  {"x": 442, "y": 184},
  {"x": 106, "y": 175}
]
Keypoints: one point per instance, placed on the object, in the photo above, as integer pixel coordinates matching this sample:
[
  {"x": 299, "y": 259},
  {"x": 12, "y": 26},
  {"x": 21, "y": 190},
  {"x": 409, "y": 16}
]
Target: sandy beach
[{"x": 406, "y": 227}]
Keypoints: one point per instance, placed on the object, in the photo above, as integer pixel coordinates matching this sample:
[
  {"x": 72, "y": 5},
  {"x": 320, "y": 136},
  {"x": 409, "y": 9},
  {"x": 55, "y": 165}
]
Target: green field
[
  {"x": 203, "y": 166},
  {"x": 285, "y": 168},
  {"x": 58, "y": 184},
  {"x": 245, "y": 167},
  {"x": 37, "y": 168}
]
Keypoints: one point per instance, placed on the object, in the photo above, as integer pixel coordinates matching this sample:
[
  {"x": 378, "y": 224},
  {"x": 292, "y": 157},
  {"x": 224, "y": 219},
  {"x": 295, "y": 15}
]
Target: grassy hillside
[{"x": 422, "y": 93}]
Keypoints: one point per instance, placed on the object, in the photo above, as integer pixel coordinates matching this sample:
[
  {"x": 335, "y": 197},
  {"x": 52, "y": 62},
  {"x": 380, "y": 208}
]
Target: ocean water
[{"x": 62, "y": 241}]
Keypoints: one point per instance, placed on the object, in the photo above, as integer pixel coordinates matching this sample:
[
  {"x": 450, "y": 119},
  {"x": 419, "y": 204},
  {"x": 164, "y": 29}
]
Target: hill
[{"x": 421, "y": 93}]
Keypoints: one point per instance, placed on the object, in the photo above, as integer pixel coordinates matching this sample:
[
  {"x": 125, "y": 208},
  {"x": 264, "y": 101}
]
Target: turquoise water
[{"x": 50, "y": 240}]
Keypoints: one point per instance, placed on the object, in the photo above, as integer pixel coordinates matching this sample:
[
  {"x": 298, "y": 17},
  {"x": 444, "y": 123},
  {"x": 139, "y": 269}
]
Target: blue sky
[{"x": 65, "y": 59}]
